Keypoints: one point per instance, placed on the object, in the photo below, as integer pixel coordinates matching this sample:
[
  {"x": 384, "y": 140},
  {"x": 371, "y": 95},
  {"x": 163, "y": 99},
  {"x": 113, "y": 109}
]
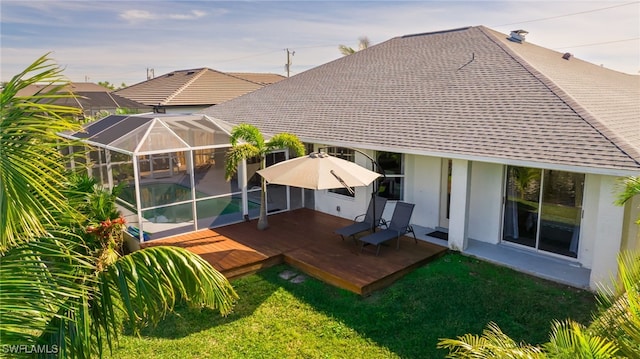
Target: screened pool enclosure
[{"x": 171, "y": 171}]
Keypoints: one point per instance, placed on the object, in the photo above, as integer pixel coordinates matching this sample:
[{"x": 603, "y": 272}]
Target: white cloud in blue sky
[{"x": 117, "y": 41}]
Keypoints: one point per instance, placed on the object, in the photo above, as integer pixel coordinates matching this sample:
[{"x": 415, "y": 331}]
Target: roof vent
[
  {"x": 566, "y": 56},
  {"x": 518, "y": 36},
  {"x": 171, "y": 74},
  {"x": 191, "y": 72}
]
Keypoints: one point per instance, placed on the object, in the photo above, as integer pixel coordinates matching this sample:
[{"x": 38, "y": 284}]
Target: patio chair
[
  {"x": 367, "y": 222},
  {"x": 398, "y": 226}
]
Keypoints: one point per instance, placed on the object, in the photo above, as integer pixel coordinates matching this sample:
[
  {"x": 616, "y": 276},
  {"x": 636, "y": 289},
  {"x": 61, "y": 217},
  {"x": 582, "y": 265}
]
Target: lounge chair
[
  {"x": 368, "y": 222},
  {"x": 398, "y": 226},
  {"x": 135, "y": 233}
]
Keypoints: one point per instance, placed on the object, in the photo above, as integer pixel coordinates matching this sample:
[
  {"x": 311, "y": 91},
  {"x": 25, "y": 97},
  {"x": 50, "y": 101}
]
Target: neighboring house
[
  {"x": 93, "y": 99},
  {"x": 186, "y": 91},
  {"x": 497, "y": 141}
]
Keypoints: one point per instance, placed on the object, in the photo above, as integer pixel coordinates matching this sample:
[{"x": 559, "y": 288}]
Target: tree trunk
[{"x": 262, "y": 221}]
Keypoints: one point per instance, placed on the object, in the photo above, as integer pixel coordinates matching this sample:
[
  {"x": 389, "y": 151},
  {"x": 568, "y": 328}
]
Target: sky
[{"x": 123, "y": 41}]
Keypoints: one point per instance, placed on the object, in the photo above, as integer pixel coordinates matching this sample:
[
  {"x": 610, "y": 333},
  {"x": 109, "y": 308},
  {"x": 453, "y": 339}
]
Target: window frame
[
  {"x": 339, "y": 152},
  {"x": 392, "y": 176}
]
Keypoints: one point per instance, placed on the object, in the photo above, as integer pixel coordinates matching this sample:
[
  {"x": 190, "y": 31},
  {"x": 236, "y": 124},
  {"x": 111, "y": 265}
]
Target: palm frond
[
  {"x": 235, "y": 155},
  {"x": 144, "y": 286},
  {"x": 346, "y": 50},
  {"x": 492, "y": 344},
  {"x": 29, "y": 127},
  {"x": 630, "y": 188},
  {"x": 286, "y": 141},
  {"x": 569, "y": 339},
  {"x": 247, "y": 133},
  {"x": 37, "y": 280},
  {"x": 363, "y": 42},
  {"x": 151, "y": 281},
  {"x": 618, "y": 316}
]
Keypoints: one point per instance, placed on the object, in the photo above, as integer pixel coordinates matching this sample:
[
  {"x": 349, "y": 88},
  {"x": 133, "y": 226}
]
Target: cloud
[
  {"x": 136, "y": 15},
  {"x": 195, "y": 14},
  {"x": 133, "y": 15},
  {"x": 88, "y": 38}
]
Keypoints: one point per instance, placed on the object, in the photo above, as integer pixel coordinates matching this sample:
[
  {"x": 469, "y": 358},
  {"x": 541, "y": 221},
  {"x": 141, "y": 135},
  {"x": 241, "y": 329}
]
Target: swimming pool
[
  {"x": 164, "y": 195},
  {"x": 158, "y": 194}
]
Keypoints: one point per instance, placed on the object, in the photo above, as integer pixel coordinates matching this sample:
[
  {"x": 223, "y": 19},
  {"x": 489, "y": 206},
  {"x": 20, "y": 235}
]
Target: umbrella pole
[
  {"x": 375, "y": 167},
  {"x": 375, "y": 189}
]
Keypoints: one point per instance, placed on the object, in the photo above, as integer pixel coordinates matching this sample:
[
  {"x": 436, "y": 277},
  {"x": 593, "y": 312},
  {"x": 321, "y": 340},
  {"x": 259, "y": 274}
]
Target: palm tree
[
  {"x": 64, "y": 283},
  {"x": 363, "y": 43},
  {"x": 631, "y": 188},
  {"x": 248, "y": 142}
]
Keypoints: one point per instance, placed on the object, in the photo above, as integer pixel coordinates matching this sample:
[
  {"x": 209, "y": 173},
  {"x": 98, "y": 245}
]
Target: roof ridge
[
  {"x": 616, "y": 140},
  {"x": 201, "y": 71},
  {"x": 113, "y": 99}
]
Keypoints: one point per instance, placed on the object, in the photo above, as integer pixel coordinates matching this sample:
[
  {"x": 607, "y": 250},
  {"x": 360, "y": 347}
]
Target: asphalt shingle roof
[
  {"x": 465, "y": 92},
  {"x": 89, "y": 96},
  {"x": 189, "y": 88}
]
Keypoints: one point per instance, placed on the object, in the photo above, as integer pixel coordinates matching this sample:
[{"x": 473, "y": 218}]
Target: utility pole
[{"x": 287, "y": 66}]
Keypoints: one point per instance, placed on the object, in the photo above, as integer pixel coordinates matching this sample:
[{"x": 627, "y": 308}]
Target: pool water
[
  {"x": 158, "y": 194},
  {"x": 166, "y": 194}
]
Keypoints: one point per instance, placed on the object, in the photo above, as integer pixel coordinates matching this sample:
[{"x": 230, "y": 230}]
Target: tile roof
[
  {"x": 462, "y": 93},
  {"x": 194, "y": 87}
]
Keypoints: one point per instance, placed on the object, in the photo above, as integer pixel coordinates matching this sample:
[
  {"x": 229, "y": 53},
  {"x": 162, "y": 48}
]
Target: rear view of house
[{"x": 498, "y": 142}]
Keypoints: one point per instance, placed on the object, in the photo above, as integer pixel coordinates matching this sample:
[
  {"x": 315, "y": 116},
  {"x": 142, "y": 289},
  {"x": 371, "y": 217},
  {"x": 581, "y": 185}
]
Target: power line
[
  {"x": 597, "y": 43},
  {"x": 566, "y": 15},
  {"x": 249, "y": 56}
]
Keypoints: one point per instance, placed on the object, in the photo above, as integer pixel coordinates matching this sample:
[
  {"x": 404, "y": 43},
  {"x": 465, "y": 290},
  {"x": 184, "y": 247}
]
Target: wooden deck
[{"x": 305, "y": 239}]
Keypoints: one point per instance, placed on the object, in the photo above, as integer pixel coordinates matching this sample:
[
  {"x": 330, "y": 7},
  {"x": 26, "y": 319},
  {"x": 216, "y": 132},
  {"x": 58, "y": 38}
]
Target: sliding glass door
[{"x": 543, "y": 209}]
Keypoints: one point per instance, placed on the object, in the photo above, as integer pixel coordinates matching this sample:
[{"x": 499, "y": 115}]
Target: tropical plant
[
  {"x": 363, "y": 43},
  {"x": 31, "y": 165},
  {"x": 613, "y": 333},
  {"x": 110, "y": 86},
  {"x": 630, "y": 189},
  {"x": 248, "y": 142},
  {"x": 64, "y": 281},
  {"x": 524, "y": 178}
]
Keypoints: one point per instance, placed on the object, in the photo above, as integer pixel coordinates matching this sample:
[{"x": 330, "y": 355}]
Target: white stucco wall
[
  {"x": 422, "y": 187},
  {"x": 608, "y": 232},
  {"x": 589, "y": 220},
  {"x": 460, "y": 201},
  {"x": 485, "y": 206},
  {"x": 350, "y": 207}
]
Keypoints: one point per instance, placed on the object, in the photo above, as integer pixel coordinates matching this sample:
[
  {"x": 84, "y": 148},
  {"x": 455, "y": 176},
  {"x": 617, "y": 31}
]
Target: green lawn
[{"x": 275, "y": 318}]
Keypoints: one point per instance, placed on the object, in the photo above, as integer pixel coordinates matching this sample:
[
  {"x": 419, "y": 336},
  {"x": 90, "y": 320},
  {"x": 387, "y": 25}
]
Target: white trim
[
  {"x": 136, "y": 188},
  {"x": 192, "y": 182}
]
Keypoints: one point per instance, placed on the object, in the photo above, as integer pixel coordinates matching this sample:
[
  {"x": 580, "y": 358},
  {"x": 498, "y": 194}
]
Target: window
[
  {"x": 253, "y": 164},
  {"x": 391, "y": 187},
  {"x": 543, "y": 209},
  {"x": 308, "y": 148},
  {"x": 346, "y": 154}
]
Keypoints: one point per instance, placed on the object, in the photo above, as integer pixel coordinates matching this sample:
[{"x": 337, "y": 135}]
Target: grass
[{"x": 451, "y": 296}]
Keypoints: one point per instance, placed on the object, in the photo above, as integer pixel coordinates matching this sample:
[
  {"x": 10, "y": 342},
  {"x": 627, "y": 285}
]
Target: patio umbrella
[{"x": 318, "y": 171}]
